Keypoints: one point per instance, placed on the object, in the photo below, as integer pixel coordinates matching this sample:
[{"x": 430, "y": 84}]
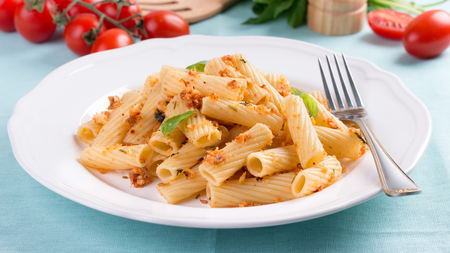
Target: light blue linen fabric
[{"x": 35, "y": 219}]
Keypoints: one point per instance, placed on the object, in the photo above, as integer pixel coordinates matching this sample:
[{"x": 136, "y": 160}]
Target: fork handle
[{"x": 394, "y": 181}]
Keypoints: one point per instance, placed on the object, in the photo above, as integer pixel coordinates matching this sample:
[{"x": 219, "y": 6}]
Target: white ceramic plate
[{"x": 43, "y": 128}]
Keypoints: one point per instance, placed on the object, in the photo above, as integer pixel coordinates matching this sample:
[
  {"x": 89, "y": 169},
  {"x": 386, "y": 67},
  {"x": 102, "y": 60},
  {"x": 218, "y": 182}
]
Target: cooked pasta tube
[
  {"x": 270, "y": 161},
  {"x": 233, "y": 133},
  {"x": 251, "y": 191},
  {"x": 326, "y": 119},
  {"x": 280, "y": 83},
  {"x": 182, "y": 187},
  {"x": 221, "y": 164},
  {"x": 142, "y": 130},
  {"x": 230, "y": 88},
  {"x": 217, "y": 67},
  {"x": 342, "y": 144},
  {"x": 117, "y": 157},
  {"x": 242, "y": 113},
  {"x": 321, "y": 98},
  {"x": 255, "y": 94},
  {"x": 88, "y": 131},
  {"x": 240, "y": 62},
  {"x": 308, "y": 146},
  {"x": 169, "y": 144},
  {"x": 186, "y": 157},
  {"x": 316, "y": 178},
  {"x": 117, "y": 127},
  {"x": 156, "y": 161},
  {"x": 166, "y": 69},
  {"x": 149, "y": 83},
  {"x": 199, "y": 130}
]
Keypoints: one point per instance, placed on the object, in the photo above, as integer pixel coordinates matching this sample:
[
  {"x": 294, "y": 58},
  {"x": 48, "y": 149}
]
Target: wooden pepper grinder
[{"x": 336, "y": 17}]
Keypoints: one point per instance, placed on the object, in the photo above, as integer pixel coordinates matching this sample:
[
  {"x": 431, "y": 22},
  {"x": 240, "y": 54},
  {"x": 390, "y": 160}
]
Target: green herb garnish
[
  {"x": 243, "y": 60},
  {"x": 361, "y": 138},
  {"x": 210, "y": 147},
  {"x": 199, "y": 66},
  {"x": 179, "y": 171},
  {"x": 175, "y": 105},
  {"x": 159, "y": 116},
  {"x": 124, "y": 177},
  {"x": 232, "y": 108},
  {"x": 245, "y": 103},
  {"x": 169, "y": 125},
  {"x": 197, "y": 196},
  {"x": 123, "y": 151},
  {"x": 309, "y": 102}
]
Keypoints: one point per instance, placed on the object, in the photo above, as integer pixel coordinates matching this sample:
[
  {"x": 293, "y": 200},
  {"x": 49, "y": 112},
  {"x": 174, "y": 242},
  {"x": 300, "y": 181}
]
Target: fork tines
[{"x": 340, "y": 103}]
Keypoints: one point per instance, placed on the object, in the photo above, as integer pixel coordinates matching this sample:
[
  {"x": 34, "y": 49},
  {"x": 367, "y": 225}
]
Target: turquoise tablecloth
[{"x": 35, "y": 219}]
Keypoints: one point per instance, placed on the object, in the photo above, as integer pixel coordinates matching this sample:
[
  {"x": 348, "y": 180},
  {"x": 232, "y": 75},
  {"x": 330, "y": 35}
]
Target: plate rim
[{"x": 200, "y": 223}]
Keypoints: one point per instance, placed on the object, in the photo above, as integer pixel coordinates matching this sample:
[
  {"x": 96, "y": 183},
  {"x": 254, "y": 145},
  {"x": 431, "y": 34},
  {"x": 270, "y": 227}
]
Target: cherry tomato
[
  {"x": 34, "y": 26},
  {"x": 7, "y": 9},
  {"x": 164, "y": 24},
  {"x": 110, "y": 10},
  {"x": 111, "y": 39},
  {"x": 388, "y": 24},
  {"x": 74, "y": 30},
  {"x": 428, "y": 35},
  {"x": 76, "y": 9}
]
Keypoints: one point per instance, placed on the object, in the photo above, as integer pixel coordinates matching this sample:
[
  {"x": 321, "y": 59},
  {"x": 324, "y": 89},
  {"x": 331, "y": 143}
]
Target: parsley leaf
[
  {"x": 179, "y": 171},
  {"x": 169, "y": 125},
  {"x": 123, "y": 151},
  {"x": 232, "y": 108},
  {"x": 245, "y": 103},
  {"x": 159, "y": 116},
  {"x": 309, "y": 102},
  {"x": 199, "y": 66}
]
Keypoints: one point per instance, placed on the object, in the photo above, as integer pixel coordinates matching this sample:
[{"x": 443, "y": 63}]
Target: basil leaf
[
  {"x": 266, "y": 15},
  {"x": 199, "y": 66},
  {"x": 297, "y": 13},
  {"x": 282, "y": 6},
  {"x": 169, "y": 125},
  {"x": 309, "y": 102},
  {"x": 259, "y": 8},
  {"x": 263, "y": 1}
]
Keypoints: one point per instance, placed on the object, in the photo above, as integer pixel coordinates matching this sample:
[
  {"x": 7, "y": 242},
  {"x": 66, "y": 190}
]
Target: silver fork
[{"x": 394, "y": 181}]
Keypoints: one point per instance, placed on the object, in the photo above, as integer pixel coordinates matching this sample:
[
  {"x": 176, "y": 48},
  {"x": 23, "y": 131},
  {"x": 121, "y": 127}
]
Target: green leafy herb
[
  {"x": 179, "y": 171},
  {"x": 268, "y": 10},
  {"x": 243, "y": 60},
  {"x": 175, "y": 105},
  {"x": 124, "y": 177},
  {"x": 210, "y": 147},
  {"x": 174, "y": 154},
  {"x": 309, "y": 102},
  {"x": 197, "y": 196},
  {"x": 199, "y": 66},
  {"x": 292, "y": 180},
  {"x": 169, "y": 125},
  {"x": 167, "y": 102},
  {"x": 245, "y": 103},
  {"x": 159, "y": 116},
  {"x": 123, "y": 151},
  {"x": 298, "y": 164},
  {"x": 361, "y": 138},
  {"x": 232, "y": 108}
]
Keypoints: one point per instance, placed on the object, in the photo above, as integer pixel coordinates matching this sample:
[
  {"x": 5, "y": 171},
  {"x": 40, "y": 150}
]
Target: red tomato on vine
[
  {"x": 76, "y": 9},
  {"x": 35, "y": 25},
  {"x": 111, "y": 39},
  {"x": 73, "y": 33},
  {"x": 110, "y": 10},
  {"x": 7, "y": 10},
  {"x": 164, "y": 24}
]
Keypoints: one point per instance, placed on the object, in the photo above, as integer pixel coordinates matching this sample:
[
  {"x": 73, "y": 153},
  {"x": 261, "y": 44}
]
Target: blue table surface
[{"x": 35, "y": 219}]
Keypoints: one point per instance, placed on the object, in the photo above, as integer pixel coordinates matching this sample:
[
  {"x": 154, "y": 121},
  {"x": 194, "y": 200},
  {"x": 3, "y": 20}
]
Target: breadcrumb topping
[
  {"x": 190, "y": 174},
  {"x": 228, "y": 60},
  {"x": 226, "y": 72},
  {"x": 138, "y": 177},
  {"x": 204, "y": 201},
  {"x": 242, "y": 178},
  {"x": 101, "y": 118},
  {"x": 215, "y": 157},
  {"x": 354, "y": 130},
  {"x": 233, "y": 84},
  {"x": 332, "y": 123},
  {"x": 246, "y": 204},
  {"x": 135, "y": 116},
  {"x": 213, "y": 96},
  {"x": 114, "y": 102},
  {"x": 192, "y": 97},
  {"x": 243, "y": 137},
  {"x": 193, "y": 73}
]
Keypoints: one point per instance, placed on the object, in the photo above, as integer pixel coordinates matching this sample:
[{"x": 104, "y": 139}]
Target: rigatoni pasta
[{"x": 223, "y": 126}]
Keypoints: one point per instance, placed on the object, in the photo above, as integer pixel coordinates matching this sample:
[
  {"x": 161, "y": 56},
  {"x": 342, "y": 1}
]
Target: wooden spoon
[{"x": 191, "y": 10}]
